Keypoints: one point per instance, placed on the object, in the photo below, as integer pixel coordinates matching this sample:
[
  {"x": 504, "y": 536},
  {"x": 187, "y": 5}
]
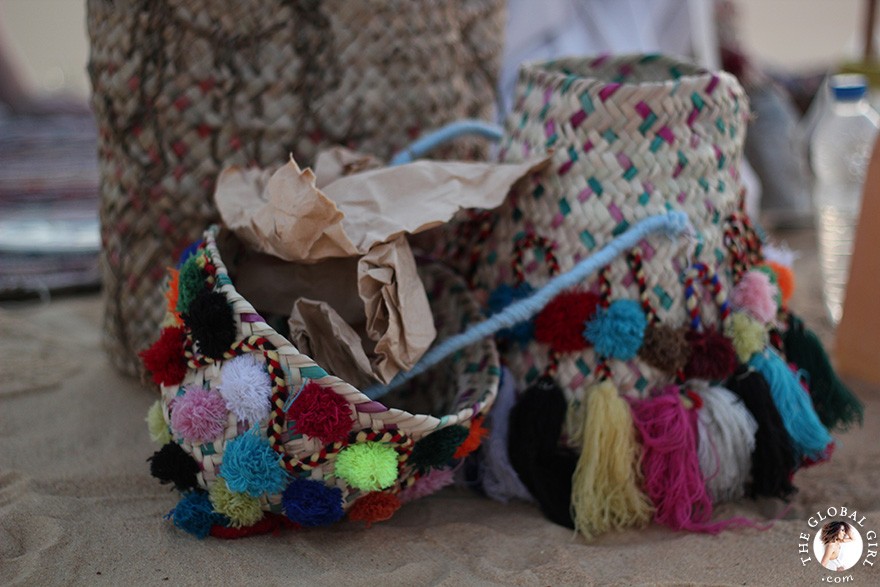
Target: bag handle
[{"x": 446, "y": 134}]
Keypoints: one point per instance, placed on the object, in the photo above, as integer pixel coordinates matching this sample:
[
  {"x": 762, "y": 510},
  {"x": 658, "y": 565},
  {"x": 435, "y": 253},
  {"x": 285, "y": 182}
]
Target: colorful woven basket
[
  {"x": 257, "y": 435},
  {"x": 636, "y": 350},
  {"x": 183, "y": 88}
]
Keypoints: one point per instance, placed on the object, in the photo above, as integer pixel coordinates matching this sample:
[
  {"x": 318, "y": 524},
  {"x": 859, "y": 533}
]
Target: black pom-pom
[
  {"x": 171, "y": 464},
  {"x": 212, "y": 323},
  {"x": 773, "y": 461},
  {"x": 544, "y": 467}
]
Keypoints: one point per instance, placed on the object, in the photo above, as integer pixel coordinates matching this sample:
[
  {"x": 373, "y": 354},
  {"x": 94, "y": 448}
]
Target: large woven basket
[
  {"x": 184, "y": 87},
  {"x": 310, "y": 418},
  {"x": 631, "y": 137}
]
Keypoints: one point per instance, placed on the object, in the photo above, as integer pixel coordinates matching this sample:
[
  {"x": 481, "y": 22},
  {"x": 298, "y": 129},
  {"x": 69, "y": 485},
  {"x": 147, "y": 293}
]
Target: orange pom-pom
[
  {"x": 172, "y": 293},
  {"x": 374, "y": 507},
  {"x": 475, "y": 437},
  {"x": 784, "y": 279}
]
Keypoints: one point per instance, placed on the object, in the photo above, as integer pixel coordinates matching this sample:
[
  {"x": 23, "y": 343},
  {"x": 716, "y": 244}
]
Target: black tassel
[
  {"x": 773, "y": 461},
  {"x": 544, "y": 467}
]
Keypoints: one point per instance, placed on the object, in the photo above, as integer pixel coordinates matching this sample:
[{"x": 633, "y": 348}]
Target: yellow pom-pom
[
  {"x": 748, "y": 335},
  {"x": 156, "y": 424},
  {"x": 369, "y": 466},
  {"x": 606, "y": 491},
  {"x": 241, "y": 509}
]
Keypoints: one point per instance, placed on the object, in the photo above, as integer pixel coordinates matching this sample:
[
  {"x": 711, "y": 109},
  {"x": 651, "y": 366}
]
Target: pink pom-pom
[
  {"x": 433, "y": 482},
  {"x": 199, "y": 415},
  {"x": 756, "y": 295}
]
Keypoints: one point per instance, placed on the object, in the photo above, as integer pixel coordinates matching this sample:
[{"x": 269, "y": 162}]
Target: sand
[{"x": 78, "y": 506}]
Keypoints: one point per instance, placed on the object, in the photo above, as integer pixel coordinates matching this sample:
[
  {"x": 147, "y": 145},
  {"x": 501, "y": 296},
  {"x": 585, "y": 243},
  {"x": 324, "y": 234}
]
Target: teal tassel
[
  {"x": 808, "y": 435},
  {"x": 836, "y": 405}
]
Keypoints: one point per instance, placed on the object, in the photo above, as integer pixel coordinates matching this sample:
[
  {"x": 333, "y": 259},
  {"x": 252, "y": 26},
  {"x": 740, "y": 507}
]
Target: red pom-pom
[
  {"x": 271, "y": 523},
  {"x": 320, "y": 413},
  {"x": 374, "y": 507},
  {"x": 561, "y": 323},
  {"x": 712, "y": 356},
  {"x": 474, "y": 438},
  {"x": 165, "y": 359}
]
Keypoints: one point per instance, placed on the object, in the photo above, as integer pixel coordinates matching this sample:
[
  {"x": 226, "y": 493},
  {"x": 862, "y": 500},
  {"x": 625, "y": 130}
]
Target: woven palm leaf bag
[
  {"x": 683, "y": 377},
  {"x": 182, "y": 88},
  {"x": 257, "y": 436}
]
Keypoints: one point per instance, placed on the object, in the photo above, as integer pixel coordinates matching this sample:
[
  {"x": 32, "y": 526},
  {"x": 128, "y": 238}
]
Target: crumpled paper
[{"x": 363, "y": 212}]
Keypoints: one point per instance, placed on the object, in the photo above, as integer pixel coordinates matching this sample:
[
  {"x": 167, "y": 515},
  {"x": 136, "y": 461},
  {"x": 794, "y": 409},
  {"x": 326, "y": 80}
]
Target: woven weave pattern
[
  {"x": 631, "y": 137},
  {"x": 462, "y": 391},
  {"x": 185, "y": 87}
]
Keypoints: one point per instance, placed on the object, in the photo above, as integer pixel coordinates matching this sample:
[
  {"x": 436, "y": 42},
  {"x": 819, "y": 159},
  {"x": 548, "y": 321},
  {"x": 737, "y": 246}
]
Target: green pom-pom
[
  {"x": 369, "y": 466},
  {"x": 241, "y": 508},
  {"x": 438, "y": 448},
  {"x": 191, "y": 282},
  {"x": 156, "y": 424},
  {"x": 748, "y": 335}
]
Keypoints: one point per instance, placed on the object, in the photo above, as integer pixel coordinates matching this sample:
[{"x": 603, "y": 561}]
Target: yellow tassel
[{"x": 606, "y": 493}]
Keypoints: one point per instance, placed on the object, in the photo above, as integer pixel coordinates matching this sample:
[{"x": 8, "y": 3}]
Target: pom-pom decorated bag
[
  {"x": 257, "y": 435},
  {"x": 673, "y": 357}
]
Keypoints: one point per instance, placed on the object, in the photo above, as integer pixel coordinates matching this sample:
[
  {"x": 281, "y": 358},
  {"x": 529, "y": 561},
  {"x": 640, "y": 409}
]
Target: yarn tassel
[
  {"x": 726, "y": 442},
  {"x": 773, "y": 459},
  {"x": 809, "y": 438},
  {"x": 836, "y": 405},
  {"x": 671, "y": 468},
  {"x": 497, "y": 477},
  {"x": 543, "y": 466},
  {"x": 606, "y": 493}
]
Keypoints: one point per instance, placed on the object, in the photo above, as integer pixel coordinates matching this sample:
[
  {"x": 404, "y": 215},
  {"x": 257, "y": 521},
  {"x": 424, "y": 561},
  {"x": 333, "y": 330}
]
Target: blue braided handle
[{"x": 445, "y": 134}]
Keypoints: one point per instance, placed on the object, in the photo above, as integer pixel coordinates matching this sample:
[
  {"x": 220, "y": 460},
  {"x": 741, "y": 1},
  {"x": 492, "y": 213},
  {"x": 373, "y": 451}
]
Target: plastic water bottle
[{"x": 840, "y": 151}]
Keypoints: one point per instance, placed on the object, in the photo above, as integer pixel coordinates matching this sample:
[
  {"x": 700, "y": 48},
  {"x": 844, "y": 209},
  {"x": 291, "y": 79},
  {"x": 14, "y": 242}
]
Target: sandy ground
[{"x": 78, "y": 507}]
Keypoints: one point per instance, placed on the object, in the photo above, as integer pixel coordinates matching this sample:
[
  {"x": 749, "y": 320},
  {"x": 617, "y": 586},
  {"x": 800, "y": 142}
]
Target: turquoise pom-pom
[
  {"x": 503, "y": 296},
  {"x": 251, "y": 466},
  {"x": 618, "y": 330},
  {"x": 195, "y": 514}
]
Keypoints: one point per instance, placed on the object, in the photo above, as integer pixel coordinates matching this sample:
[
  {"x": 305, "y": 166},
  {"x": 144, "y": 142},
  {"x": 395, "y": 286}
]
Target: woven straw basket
[
  {"x": 182, "y": 88},
  {"x": 453, "y": 400},
  {"x": 631, "y": 137}
]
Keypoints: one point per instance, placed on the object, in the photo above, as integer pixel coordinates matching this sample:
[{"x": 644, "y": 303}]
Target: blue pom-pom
[
  {"x": 311, "y": 503},
  {"x": 251, "y": 466},
  {"x": 195, "y": 514},
  {"x": 618, "y": 330},
  {"x": 188, "y": 252},
  {"x": 503, "y": 296}
]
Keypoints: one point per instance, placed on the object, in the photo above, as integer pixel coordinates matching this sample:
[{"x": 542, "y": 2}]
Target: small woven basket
[
  {"x": 311, "y": 419},
  {"x": 182, "y": 88}
]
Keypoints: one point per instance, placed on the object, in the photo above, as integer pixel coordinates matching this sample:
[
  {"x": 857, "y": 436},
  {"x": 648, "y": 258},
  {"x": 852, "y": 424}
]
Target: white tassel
[{"x": 727, "y": 439}]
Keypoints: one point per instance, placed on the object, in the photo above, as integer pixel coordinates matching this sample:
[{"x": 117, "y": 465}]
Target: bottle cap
[{"x": 848, "y": 87}]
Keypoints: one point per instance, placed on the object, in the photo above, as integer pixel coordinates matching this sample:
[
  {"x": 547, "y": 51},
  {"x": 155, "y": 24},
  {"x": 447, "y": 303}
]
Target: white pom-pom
[
  {"x": 781, "y": 254},
  {"x": 727, "y": 439},
  {"x": 246, "y": 387}
]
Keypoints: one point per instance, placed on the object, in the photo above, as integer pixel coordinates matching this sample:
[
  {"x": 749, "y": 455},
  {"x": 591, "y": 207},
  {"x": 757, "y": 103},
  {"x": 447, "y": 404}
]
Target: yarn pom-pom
[
  {"x": 475, "y": 436},
  {"x": 171, "y": 464},
  {"x": 250, "y": 465},
  {"x": 785, "y": 280},
  {"x": 195, "y": 514},
  {"x": 190, "y": 283},
  {"x": 171, "y": 295},
  {"x": 368, "y": 465},
  {"x": 190, "y": 251},
  {"x": 503, "y": 296},
  {"x": 269, "y": 523},
  {"x": 212, "y": 323},
  {"x": 561, "y": 323},
  {"x": 321, "y": 413},
  {"x": 665, "y": 348},
  {"x": 748, "y": 335},
  {"x": 246, "y": 388},
  {"x": 712, "y": 356},
  {"x": 438, "y": 448},
  {"x": 241, "y": 509},
  {"x": 199, "y": 415},
  {"x": 164, "y": 359},
  {"x": 756, "y": 295},
  {"x": 311, "y": 503},
  {"x": 618, "y": 330},
  {"x": 432, "y": 482},
  {"x": 159, "y": 432},
  {"x": 374, "y": 507}
]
